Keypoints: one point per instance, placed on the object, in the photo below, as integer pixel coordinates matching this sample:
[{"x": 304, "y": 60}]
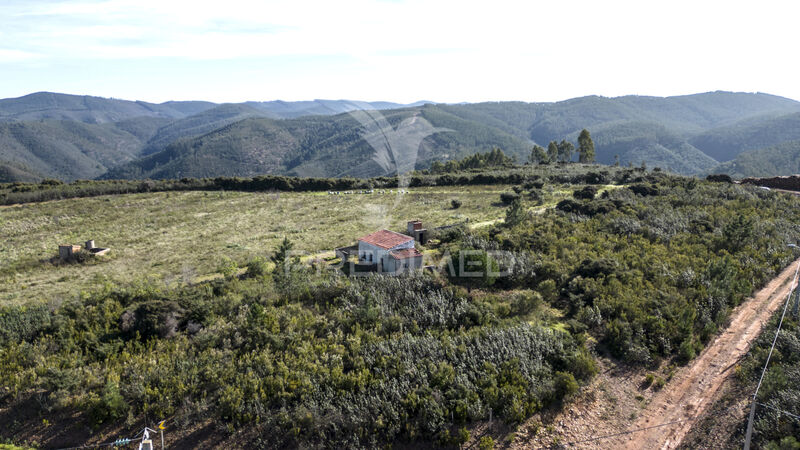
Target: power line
[
  {"x": 122, "y": 441},
  {"x": 747, "y": 442},
  {"x": 780, "y": 411},
  {"x": 749, "y": 434},
  {"x": 635, "y": 430},
  {"x": 117, "y": 442}
]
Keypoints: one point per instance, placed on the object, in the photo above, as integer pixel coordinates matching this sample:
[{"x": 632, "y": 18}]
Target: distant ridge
[
  {"x": 69, "y": 136},
  {"x": 88, "y": 109}
]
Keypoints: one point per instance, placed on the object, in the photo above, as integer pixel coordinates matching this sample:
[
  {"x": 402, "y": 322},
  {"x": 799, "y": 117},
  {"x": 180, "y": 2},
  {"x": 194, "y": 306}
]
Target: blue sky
[{"x": 403, "y": 50}]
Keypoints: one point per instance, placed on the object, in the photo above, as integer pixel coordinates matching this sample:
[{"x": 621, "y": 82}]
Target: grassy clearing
[{"x": 183, "y": 236}]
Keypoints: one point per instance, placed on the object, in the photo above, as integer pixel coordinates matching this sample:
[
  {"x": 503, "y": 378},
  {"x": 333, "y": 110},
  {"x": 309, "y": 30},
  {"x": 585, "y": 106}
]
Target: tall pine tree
[
  {"x": 552, "y": 151},
  {"x": 539, "y": 155},
  {"x": 565, "y": 149},
  {"x": 585, "y": 147}
]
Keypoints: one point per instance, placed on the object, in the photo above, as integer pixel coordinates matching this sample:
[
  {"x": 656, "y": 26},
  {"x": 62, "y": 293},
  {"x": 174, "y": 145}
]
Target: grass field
[{"x": 184, "y": 236}]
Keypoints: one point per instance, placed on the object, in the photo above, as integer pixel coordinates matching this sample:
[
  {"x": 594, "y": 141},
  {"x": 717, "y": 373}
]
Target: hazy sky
[{"x": 403, "y": 50}]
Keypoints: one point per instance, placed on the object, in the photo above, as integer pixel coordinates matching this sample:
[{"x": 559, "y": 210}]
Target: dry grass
[{"x": 181, "y": 237}]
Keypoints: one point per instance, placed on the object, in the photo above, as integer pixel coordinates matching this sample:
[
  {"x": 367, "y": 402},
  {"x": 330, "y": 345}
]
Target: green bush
[
  {"x": 473, "y": 267},
  {"x": 22, "y": 323},
  {"x": 110, "y": 405},
  {"x": 525, "y": 303},
  {"x": 787, "y": 443},
  {"x": 565, "y": 384},
  {"x": 486, "y": 443},
  {"x": 257, "y": 267},
  {"x": 508, "y": 197},
  {"x": 686, "y": 352},
  {"x": 227, "y": 267},
  {"x": 586, "y": 193}
]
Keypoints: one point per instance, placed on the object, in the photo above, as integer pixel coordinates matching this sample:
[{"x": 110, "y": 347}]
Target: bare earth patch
[{"x": 608, "y": 413}]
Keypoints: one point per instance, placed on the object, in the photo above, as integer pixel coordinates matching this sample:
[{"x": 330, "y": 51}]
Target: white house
[
  {"x": 389, "y": 251},
  {"x": 403, "y": 260}
]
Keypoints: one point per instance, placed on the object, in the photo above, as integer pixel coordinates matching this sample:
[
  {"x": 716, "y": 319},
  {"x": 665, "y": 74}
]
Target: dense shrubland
[
  {"x": 652, "y": 269},
  {"x": 327, "y": 359},
  {"x": 780, "y": 390},
  {"x": 647, "y": 271}
]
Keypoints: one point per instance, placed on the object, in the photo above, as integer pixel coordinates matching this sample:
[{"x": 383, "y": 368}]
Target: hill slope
[
  {"x": 543, "y": 122},
  {"x": 292, "y": 110},
  {"x": 652, "y": 143},
  {"x": 331, "y": 145},
  {"x": 780, "y": 159},
  {"x": 199, "y": 124},
  {"x": 310, "y": 146},
  {"x": 84, "y": 108},
  {"x": 725, "y": 143},
  {"x": 12, "y": 172},
  {"x": 687, "y": 134},
  {"x": 66, "y": 149},
  {"x": 651, "y": 129}
]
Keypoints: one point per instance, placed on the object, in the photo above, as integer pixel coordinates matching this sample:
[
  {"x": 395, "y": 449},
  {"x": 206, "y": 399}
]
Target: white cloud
[
  {"x": 12, "y": 56},
  {"x": 458, "y": 50}
]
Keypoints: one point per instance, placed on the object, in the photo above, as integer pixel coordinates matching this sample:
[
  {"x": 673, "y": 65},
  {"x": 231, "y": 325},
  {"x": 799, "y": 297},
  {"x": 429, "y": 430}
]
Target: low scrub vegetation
[
  {"x": 779, "y": 396},
  {"x": 652, "y": 270},
  {"x": 335, "y": 360},
  {"x": 644, "y": 272}
]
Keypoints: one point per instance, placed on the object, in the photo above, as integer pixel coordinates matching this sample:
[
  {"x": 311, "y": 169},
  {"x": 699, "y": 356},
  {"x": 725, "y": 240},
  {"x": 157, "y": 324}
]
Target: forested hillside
[
  {"x": 83, "y": 108},
  {"x": 780, "y": 159},
  {"x": 725, "y": 143},
  {"x": 649, "y": 142},
  {"x": 12, "y": 172},
  {"x": 687, "y": 134},
  {"x": 66, "y": 149},
  {"x": 312, "y": 146}
]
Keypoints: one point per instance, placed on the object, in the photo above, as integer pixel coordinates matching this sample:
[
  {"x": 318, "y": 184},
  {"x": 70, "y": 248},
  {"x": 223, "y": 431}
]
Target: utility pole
[
  {"x": 146, "y": 443},
  {"x": 161, "y": 428},
  {"x": 749, "y": 433}
]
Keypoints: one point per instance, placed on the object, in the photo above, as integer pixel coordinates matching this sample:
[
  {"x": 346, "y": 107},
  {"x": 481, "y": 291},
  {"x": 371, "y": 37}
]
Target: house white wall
[
  {"x": 402, "y": 265},
  {"x": 380, "y": 255}
]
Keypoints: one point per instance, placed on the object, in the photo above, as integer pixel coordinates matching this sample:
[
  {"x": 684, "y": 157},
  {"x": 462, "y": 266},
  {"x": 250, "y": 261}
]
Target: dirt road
[{"x": 692, "y": 389}]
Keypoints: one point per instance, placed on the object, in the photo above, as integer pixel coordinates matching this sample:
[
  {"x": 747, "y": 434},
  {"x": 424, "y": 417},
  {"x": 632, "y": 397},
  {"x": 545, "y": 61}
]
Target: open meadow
[{"x": 183, "y": 237}]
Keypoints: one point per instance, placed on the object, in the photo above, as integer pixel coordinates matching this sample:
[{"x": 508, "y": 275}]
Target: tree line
[{"x": 563, "y": 151}]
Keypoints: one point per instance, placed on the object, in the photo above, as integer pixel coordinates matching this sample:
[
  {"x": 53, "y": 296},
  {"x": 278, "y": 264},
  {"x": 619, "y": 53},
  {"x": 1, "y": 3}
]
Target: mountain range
[{"x": 49, "y": 135}]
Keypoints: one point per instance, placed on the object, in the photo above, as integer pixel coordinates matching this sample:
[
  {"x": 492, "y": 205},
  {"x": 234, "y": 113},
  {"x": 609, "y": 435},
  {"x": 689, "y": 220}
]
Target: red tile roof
[
  {"x": 386, "y": 239},
  {"x": 405, "y": 253}
]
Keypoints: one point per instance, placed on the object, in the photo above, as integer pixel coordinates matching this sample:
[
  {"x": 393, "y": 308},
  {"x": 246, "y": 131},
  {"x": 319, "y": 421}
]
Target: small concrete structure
[
  {"x": 345, "y": 253},
  {"x": 416, "y": 231},
  {"x": 67, "y": 251},
  {"x": 97, "y": 251}
]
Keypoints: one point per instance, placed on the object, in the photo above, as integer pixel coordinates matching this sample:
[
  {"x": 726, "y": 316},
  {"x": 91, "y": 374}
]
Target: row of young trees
[
  {"x": 493, "y": 167},
  {"x": 493, "y": 158},
  {"x": 563, "y": 151}
]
